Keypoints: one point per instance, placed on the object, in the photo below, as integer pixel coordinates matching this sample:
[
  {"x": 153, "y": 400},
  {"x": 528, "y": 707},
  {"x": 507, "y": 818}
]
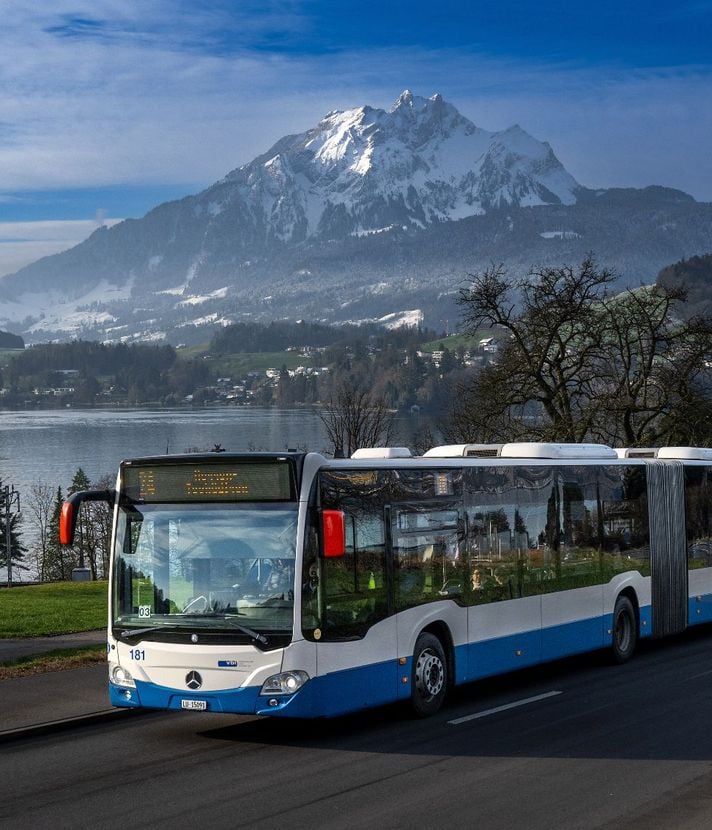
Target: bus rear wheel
[
  {"x": 430, "y": 676},
  {"x": 625, "y": 630}
]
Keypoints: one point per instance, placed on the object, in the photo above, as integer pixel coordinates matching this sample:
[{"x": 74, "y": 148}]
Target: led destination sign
[{"x": 209, "y": 482}]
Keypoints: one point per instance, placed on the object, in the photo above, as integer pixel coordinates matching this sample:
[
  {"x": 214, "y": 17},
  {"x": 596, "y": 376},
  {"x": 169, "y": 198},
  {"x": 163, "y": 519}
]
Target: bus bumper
[{"x": 243, "y": 701}]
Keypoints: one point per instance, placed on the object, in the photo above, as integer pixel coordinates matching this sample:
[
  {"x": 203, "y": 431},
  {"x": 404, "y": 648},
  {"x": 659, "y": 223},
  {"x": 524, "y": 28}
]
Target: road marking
[
  {"x": 506, "y": 706},
  {"x": 702, "y": 674}
]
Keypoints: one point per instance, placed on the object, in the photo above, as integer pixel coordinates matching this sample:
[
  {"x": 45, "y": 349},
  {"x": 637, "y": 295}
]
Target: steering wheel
[{"x": 196, "y": 605}]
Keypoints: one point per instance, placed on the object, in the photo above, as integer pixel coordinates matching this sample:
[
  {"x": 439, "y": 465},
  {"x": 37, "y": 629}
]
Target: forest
[{"x": 11, "y": 341}]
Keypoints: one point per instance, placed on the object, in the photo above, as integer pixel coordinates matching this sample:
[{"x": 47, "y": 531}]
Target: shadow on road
[{"x": 657, "y": 707}]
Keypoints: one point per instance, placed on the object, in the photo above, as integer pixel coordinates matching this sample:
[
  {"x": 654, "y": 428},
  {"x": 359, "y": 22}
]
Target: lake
[{"x": 48, "y": 446}]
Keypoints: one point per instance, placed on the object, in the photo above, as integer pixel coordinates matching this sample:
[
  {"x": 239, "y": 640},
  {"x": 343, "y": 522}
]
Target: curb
[{"x": 65, "y": 724}]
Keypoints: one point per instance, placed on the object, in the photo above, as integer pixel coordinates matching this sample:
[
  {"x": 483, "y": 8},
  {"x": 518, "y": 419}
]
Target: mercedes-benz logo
[{"x": 193, "y": 680}]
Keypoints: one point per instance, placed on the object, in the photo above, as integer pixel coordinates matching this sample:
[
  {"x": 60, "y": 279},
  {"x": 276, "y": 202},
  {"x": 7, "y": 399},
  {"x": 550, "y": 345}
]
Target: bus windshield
[{"x": 205, "y": 568}]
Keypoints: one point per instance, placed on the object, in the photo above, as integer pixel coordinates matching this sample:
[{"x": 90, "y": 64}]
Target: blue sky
[{"x": 107, "y": 108}]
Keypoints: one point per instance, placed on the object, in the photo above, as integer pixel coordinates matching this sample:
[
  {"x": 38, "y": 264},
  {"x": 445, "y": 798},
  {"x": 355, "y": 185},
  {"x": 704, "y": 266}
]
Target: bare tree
[
  {"x": 40, "y": 507},
  {"x": 656, "y": 378},
  {"x": 579, "y": 364},
  {"x": 93, "y": 534},
  {"x": 101, "y": 517},
  {"x": 354, "y": 418}
]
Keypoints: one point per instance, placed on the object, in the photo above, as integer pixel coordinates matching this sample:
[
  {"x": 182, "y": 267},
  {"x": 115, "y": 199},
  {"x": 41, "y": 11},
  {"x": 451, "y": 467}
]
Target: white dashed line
[{"x": 506, "y": 706}]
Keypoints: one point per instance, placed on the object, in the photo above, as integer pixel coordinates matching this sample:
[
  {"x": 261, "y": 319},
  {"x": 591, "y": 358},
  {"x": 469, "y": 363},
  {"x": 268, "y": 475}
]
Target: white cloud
[
  {"x": 25, "y": 242},
  {"x": 99, "y": 93}
]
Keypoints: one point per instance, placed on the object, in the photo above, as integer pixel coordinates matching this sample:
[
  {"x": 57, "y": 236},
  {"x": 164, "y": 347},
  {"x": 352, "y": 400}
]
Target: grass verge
[
  {"x": 68, "y": 658},
  {"x": 52, "y": 608}
]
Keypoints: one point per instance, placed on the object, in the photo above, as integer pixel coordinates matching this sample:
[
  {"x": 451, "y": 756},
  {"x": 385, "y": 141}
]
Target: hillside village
[{"x": 412, "y": 369}]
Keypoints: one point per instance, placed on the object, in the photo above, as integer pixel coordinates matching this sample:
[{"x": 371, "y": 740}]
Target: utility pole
[{"x": 8, "y": 496}]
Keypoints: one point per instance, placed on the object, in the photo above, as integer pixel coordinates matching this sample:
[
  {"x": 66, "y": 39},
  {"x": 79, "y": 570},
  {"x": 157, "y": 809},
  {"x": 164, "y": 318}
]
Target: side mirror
[
  {"x": 70, "y": 511},
  {"x": 333, "y": 533}
]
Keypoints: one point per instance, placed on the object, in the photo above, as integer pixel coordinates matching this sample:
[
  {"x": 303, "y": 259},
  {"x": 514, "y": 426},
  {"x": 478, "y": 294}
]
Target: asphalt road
[{"x": 578, "y": 744}]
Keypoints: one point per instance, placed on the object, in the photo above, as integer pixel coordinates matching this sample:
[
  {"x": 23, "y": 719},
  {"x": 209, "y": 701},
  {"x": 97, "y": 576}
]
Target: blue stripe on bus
[
  {"x": 501, "y": 654},
  {"x": 354, "y": 689},
  {"x": 573, "y": 638},
  {"x": 646, "y": 621},
  {"x": 340, "y": 692},
  {"x": 153, "y": 696},
  {"x": 699, "y": 609},
  {"x": 327, "y": 696}
]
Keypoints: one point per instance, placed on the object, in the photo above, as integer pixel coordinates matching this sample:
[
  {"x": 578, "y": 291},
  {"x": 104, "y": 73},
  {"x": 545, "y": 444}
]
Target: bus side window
[
  {"x": 494, "y": 558},
  {"x": 496, "y": 537},
  {"x": 698, "y": 503},
  {"x": 428, "y": 565}
]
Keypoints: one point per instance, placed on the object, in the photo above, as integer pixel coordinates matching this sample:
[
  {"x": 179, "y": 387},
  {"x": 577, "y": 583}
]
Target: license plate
[{"x": 201, "y": 705}]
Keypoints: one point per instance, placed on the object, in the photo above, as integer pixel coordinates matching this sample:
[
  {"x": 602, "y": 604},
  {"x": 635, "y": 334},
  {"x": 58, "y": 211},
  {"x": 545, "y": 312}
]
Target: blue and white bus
[{"x": 295, "y": 585}]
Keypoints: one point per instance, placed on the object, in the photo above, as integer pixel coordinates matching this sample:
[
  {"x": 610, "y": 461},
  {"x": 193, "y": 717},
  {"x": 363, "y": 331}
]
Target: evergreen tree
[
  {"x": 84, "y": 546},
  {"x": 17, "y": 549},
  {"x": 58, "y": 561}
]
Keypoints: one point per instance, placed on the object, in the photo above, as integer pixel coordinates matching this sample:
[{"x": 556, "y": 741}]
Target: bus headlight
[
  {"x": 285, "y": 683},
  {"x": 119, "y": 676}
]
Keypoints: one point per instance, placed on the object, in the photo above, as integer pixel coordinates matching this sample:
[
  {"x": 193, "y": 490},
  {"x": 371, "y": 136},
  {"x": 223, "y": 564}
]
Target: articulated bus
[{"x": 289, "y": 584}]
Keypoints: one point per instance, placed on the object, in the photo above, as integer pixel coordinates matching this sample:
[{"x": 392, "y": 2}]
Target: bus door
[
  {"x": 347, "y": 612},
  {"x": 426, "y": 542}
]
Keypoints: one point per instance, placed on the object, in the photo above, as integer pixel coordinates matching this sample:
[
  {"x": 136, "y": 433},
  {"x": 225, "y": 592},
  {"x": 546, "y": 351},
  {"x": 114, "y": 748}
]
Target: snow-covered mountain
[
  {"x": 361, "y": 215},
  {"x": 365, "y": 170}
]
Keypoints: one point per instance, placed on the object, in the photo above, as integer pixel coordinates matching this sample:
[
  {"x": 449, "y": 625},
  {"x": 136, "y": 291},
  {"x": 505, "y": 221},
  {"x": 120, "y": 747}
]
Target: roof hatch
[
  {"x": 382, "y": 452},
  {"x": 523, "y": 449}
]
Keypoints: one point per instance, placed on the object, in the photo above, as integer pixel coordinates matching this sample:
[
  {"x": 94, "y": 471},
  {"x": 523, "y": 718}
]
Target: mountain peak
[{"x": 407, "y": 101}]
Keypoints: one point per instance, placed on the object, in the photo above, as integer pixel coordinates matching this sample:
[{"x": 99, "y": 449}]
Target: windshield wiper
[
  {"x": 250, "y": 632},
  {"x": 138, "y": 632}
]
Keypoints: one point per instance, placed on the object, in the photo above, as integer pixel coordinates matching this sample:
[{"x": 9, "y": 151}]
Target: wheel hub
[{"x": 429, "y": 674}]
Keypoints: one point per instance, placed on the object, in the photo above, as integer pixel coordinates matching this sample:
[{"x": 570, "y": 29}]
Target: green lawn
[
  {"x": 240, "y": 363},
  {"x": 54, "y": 608}
]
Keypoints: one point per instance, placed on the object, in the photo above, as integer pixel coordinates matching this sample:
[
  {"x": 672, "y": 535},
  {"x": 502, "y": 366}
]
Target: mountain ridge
[{"x": 367, "y": 210}]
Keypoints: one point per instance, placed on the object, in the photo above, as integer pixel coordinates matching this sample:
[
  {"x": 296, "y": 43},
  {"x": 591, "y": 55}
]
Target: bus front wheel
[
  {"x": 625, "y": 630},
  {"x": 429, "y": 679}
]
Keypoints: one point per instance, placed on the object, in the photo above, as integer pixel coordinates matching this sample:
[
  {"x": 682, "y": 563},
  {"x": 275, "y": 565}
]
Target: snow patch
[
  {"x": 399, "y": 319},
  {"x": 560, "y": 235},
  {"x": 209, "y": 319},
  {"x": 219, "y": 294},
  {"x": 374, "y": 231},
  {"x": 173, "y": 292},
  {"x": 378, "y": 288},
  {"x": 54, "y": 312}
]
